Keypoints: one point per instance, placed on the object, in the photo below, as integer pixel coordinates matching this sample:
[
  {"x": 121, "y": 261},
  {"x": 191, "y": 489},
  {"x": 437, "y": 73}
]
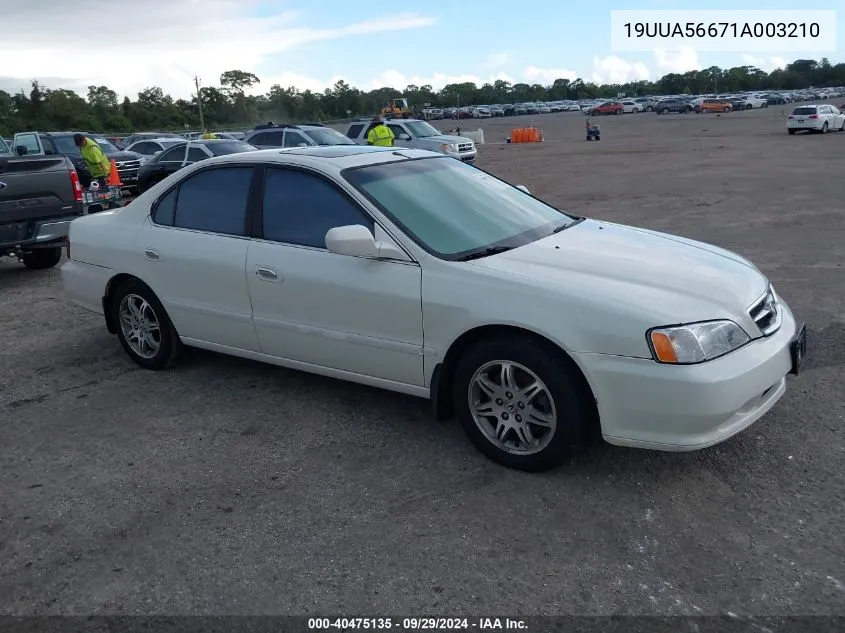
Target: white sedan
[
  {"x": 631, "y": 107},
  {"x": 815, "y": 118},
  {"x": 414, "y": 272}
]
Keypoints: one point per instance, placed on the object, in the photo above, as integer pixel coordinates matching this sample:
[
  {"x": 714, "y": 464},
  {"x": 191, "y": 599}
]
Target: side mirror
[
  {"x": 156, "y": 153},
  {"x": 523, "y": 188},
  {"x": 404, "y": 137},
  {"x": 21, "y": 150},
  {"x": 354, "y": 240}
]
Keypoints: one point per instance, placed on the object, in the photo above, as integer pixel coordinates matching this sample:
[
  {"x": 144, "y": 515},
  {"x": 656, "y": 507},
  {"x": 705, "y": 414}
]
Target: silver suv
[
  {"x": 288, "y": 135},
  {"x": 418, "y": 134}
]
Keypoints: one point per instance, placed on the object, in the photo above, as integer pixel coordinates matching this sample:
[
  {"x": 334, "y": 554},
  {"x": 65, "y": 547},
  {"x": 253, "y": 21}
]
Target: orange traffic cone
[{"x": 114, "y": 177}]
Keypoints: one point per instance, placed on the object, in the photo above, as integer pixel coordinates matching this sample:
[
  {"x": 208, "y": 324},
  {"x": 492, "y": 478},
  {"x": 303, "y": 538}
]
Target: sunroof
[{"x": 337, "y": 151}]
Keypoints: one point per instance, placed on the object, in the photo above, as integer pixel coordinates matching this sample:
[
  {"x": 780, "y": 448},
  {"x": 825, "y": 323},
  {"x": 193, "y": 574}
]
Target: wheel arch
[
  {"x": 108, "y": 295},
  {"x": 442, "y": 377}
]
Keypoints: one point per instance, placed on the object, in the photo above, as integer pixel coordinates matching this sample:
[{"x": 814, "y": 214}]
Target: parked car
[
  {"x": 186, "y": 153},
  {"x": 288, "y": 135},
  {"x": 347, "y": 252},
  {"x": 140, "y": 136},
  {"x": 61, "y": 144},
  {"x": 39, "y": 197},
  {"x": 5, "y": 148},
  {"x": 153, "y": 146},
  {"x": 815, "y": 118},
  {"x": 646, "y": 103},
  {"x": 419, "y": 134},
  {"x": 608, "y": 107},
  {"x": 775, "y": 99},
  {"x": 714, "y": 105},
  {"x": 672, "y": 106},
  {"x": 481, "y": 113},
  {"x": 631, "y": 107}
]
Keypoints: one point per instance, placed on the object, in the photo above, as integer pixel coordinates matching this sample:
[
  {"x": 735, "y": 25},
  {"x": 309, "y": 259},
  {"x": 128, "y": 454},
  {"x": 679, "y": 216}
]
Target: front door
[
  {"x": 353, "y": 314},
  {"x": 193, "y": 250}
]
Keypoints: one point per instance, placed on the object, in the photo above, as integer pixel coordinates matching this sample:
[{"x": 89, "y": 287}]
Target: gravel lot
[{"x": 226, "y": 487}]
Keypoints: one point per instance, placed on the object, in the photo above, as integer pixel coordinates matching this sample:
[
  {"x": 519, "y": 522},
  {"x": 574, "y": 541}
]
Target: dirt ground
[{"x": 229, "y": 487}]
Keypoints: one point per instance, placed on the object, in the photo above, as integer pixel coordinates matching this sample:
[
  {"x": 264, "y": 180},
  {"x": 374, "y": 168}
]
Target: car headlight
[
  {"x": 449, "y": 147},
  {"x": 695, "y": 342}
]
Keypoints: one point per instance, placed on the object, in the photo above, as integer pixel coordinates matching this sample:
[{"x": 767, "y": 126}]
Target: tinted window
[
  {"x": 396, "y": 129},
  {"x": 144, "y": 148},
  {"x": 354, "y": 130},
  {"x": 328, "y": 136},
  {"x": 805, "y": 110},
  {"x": 293, "y": 139},
  {"x": 176, "y": 153},
  {"x": 300, "y": 208},
  {"x": 166, "y": 209},
  {"x": 215, "y": 200},
  {"x": 231, "y": 147},
  {"x": 48, "y": 145},
  {"x": 195, "y": 154}
]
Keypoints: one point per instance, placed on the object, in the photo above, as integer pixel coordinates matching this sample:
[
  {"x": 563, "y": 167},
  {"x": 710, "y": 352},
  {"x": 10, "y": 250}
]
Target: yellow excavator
[{"x": 397, "y": 109}]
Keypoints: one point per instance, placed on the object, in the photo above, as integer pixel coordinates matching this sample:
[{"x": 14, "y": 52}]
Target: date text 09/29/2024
[
  {"x": 415, "y": 624},
  {"x": 689, "y": 30}
]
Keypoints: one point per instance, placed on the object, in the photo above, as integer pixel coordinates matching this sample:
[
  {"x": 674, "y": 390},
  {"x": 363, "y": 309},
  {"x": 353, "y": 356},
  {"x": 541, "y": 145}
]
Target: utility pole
[{"x": 199, "y": 101}]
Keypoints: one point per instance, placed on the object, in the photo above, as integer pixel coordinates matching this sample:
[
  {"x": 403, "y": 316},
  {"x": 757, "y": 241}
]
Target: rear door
[{"x": 193, "y": 251}]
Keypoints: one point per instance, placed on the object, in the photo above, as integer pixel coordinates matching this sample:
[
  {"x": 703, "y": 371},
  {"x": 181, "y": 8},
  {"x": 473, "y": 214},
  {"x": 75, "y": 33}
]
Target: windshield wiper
[{"x": 484, "y": 252}]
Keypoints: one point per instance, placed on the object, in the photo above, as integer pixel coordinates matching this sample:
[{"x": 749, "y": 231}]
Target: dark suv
[
  {"x": 289, "y": 135},
  {"x": 674, "y": 106},
  {"x": 61, "y": 144}
]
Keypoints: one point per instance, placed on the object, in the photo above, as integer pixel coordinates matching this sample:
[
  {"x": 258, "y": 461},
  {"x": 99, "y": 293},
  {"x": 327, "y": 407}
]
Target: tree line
[{"x": 228, "y": 106}]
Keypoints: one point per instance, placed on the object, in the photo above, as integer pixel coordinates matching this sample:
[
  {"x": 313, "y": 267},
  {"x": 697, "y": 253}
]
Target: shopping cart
[{"x": 100, "y": 198}]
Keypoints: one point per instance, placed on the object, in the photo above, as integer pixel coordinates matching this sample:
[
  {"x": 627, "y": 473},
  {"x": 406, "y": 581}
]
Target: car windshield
[
  {"x": 421, "y": 129},
  {"x": 452, "y": 209},
  {"x": 230, "y": 147},
  {"x": 328, "y": 136},
  {"x": 805, "y": 110},
  {"x": 65, "y": 145}
]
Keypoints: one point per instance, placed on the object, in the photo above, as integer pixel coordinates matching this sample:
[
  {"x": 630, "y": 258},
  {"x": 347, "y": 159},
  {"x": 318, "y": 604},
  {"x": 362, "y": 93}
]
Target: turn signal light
[{"x": 663, "y": 348}]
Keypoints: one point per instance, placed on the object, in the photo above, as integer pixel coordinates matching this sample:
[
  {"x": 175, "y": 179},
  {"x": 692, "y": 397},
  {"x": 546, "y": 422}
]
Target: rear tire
[
  {"x": 824, "y": 128},
  {"x": 143, "y": 327},
  {"x": 42, "y": 258},
  {"x": 790, "y": 132},
  {"x": 530, "y": 429}
]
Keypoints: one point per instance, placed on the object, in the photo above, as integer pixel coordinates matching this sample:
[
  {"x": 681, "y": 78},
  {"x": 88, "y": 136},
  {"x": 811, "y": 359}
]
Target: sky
[{"x": 129, "y": 46}]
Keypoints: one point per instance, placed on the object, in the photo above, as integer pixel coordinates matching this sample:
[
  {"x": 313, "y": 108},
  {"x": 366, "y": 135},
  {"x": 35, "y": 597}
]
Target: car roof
[
  {"x": 154, "y": 139},
  {"x": 338, "y": 157}
]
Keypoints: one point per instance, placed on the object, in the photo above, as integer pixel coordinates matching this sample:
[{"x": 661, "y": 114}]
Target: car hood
[
  {"x": 673, "y": 278},
  {"x": 445, "y": 138},
  {"x": 124, "y": 156}
]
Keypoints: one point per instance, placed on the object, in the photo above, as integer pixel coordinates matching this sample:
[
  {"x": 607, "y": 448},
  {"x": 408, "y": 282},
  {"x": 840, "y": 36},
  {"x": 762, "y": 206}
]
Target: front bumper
[{"x": 645, "y": 404}]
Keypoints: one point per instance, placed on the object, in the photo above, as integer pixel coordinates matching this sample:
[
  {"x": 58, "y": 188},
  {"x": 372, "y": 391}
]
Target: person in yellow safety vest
[
  {"x": 98, "y": 164},
  {"x": 380, "y": 135},
  {"x": 208, "y": 134}
]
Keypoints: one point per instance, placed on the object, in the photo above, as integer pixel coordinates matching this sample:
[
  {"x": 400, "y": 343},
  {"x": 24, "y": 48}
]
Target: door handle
[
  {"x": 151, "y": 254},
  {"x": 267, "y": 274}
]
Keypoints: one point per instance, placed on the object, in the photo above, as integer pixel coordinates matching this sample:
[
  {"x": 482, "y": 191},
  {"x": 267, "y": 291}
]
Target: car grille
[
  {"x": 766, "y": 313},
  {"x": 464, "y": 147},
  {"x": 128, "y": 170}
]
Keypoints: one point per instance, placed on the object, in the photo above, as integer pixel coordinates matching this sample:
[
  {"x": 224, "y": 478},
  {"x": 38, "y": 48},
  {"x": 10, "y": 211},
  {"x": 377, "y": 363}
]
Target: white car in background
[
  {"x": 412, "y": 271},
  {"x": 631, "y": 107},
  {"x": 815, "y": 118},
  {"x": 151, "y": 147},
  {"x": 752, "y": 101}
]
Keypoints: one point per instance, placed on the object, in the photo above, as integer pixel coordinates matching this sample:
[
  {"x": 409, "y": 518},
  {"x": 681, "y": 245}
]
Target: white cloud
[
  {"x": 679, "y": 61},
  {"x": 395, "y": 79},
  {"x": 547, "y": 76},
  {"x": 494, "y": 61},
  {"x": 206, "y": 37},
  {"x": 615, "y": 70},
  {"x": 767, "y": 64}
]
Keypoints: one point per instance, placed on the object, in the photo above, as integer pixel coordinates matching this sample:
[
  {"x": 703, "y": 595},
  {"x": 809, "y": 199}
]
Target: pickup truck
[
  {"x": 418, "y": 134},
  {"x": 39, "y": 197},
  {"x": 61, "y": 144}
]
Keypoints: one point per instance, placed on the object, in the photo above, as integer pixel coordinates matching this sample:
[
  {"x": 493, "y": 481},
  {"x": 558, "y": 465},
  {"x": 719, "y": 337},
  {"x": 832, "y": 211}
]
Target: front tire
[
  {"x": 521, "y": 403},
  {"x": 42, "y": 258},
  {"x": 143, "y": 327}
]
